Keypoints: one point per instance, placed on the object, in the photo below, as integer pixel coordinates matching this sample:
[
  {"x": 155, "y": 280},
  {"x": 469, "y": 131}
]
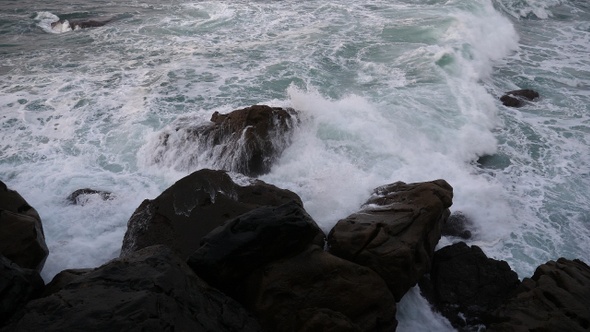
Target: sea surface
[{"x": 403, "y": 90}]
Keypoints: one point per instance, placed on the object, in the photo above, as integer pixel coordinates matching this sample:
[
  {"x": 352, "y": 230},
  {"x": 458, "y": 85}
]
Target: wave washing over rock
[{"x": 260, "y": 267}]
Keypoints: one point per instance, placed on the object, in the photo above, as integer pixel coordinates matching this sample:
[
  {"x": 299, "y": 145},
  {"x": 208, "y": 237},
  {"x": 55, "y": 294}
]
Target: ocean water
[{"x": 387, "y": 91}]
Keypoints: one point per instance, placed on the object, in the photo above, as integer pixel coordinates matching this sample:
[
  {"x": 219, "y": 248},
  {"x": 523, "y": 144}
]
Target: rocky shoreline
[{"x": 210, "y": 254}]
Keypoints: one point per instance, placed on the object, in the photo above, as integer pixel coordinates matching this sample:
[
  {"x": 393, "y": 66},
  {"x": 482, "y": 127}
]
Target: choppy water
[{"x": 389, "y": 91}]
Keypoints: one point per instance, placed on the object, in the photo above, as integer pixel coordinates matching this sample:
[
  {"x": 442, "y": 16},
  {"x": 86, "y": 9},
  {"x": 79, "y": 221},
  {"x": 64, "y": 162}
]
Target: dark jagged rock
[
  {"x": 465, "y": 285},
  {"x": 518, "y": 98},
  {"x": 82, "y": 196},
  {"x": 63, "y": 278},
  {"x": 193, "y": 207},
  {"x": 149, "y": 290},
  {"x": 294, "y": 293},
  {"x": 17, "y": 287},
  {"x": 555, "y": 298},
  {"x": 246, "y": 141},
  {"x": 21, "y": 231},
  {"x": 457, "y": 225},
  {"x": 232, "y": 251},
  {"x": 395, "y": 232}
]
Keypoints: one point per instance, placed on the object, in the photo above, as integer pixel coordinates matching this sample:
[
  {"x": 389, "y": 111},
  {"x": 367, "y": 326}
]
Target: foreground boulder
[
  {"x": 231, "y": 252},
  {"x": 247, "y": 141},
  {"x": 555, "y": 298},
  {"x": 21, "y": 232},
  {"x": 17, "y": 287},
  {"x": 194, "y": 206},
  {"x": 395, "y": 232},
  {"x": 149, "y": 290},
  {"x": 316, "y": 291},
  {"x": 518, "y": 98},
  {"x": 465, "y": 285}
]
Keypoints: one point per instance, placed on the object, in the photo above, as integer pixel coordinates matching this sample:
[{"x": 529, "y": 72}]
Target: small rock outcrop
[
  {"x": 17, "y": 287},
  {"x": 246, "y": 141},
  {"x": 83, "y": 196},
  {"x": 465, "y": 285},
  {"x": 148, "y": 290},
  {"x": 319, "y": 290},
  {"x": 194, "y": 206},
  {"x": 555, "y": 298},
  {"x": 21, "y": 232},
  {"x": 230, "y": 253},
  {"x": 395, "y": 232},
  {"x": 518, "y": 98},
  {"x": 457, "y": 225}
]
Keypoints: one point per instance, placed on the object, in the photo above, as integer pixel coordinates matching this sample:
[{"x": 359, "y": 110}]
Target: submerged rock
[
  {"x": 395, "y": 232},
  {"x": 149, "y": 290},
  {"x": 465, "y": 285},
  {"x": 555, "y": 298},
  {"x": 21, "y": 232},
  {"x": 82, "y": 196},
  {"x": 194, "y": 206},
  {"x": 232, "y": 251},
  {"x": 518, "y": 98},
  {"x": 246, "y": 141},
  {"x": 294, "y": 294}
]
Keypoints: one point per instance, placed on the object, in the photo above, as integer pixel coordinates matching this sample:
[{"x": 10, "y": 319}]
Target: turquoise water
[{"x": 403, "y": 91}]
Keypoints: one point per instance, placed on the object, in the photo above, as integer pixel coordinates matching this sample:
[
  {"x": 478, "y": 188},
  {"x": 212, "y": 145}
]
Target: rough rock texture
[
  {"x": 149, "y": 290},
  {"x": 193, "y": 207},
  {"x": 395, "y": 232},
  {"x": 82, "y": 196},
  {"x": 17, "y": 287},
  {"x": 21, "y": 231},
  {"x": 465, "y": 285},
  {"x": 555, "y": 298},
  {"x": 457, "y": 226},
  {"x": 247, "y": 140},
  {"x": 518, "y": 98},
  {"x": 319, "y": 290},
  {"x": 232, "y": 251}
]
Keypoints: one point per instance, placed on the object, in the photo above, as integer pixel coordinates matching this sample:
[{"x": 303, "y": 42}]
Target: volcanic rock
[
  {"x": 17, "y": 287},
  {"x": 555, "y": 298},
  {"x": 148, "y": 290},
  {"x": 21, "y": 232},
  {"x": 298, "y": 293},
  {"x": 518, "y": 98},
  {"x": 395, "y": 232},
  {"x": 232, "y": 251},
  {"x": 246, "y": 141},
  {"x": 465, "y": 285},
  {"x": 194, "y": 206}
]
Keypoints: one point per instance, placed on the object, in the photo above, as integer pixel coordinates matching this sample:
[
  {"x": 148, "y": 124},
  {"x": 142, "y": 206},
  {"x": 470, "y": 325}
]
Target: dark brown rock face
[
  {"x": 555, "y": 298},
  {"x": 518, "y": 98},
  {"x": 21, "y": 232},
  {"x": 465, "y": 285},
  {"x": 17, "y": 287},
  {"x": 193, "y": 207},
  {"x": 149, "y": 290},
  {"x": 316, "y": 291},
  {"x": 246, "y": 141},
  {"x": 395, "y": 232},
  {"x": 232, "y": 251}
]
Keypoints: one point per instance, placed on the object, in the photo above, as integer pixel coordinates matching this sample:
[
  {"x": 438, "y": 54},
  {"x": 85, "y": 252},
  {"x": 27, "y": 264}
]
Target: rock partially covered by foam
[
  {"x": 246, "y": 141},
  {"x": 21, "y": 232},
  {"x": 149, "y": 290},
  {"x": 83, "y": 196},
  {"x": 465, "y": 285},
  {"x": 518, "y": 98},
  {"x": 232, "y": 251},
  {"x": 555, "y": 298},
  {"x": 395, "y": 232},
  {"x": 194, "y": 206}
]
